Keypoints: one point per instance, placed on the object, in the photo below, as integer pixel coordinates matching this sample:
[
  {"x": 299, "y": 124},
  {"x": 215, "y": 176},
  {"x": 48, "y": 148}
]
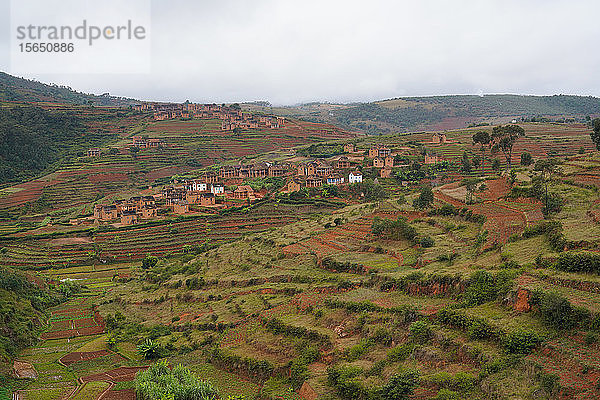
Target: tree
[
  {"x": 546, "y": 168},
  {"x": 465, "y": 163},
  {"x": 504, "y": 137},
  {"x": 526, "y": 159},
  {"x": 477, "y": 160},
  {"x": 149, "y": 262},
  {"x": 484, "y": 139},
  {"x": 471, "y": 185},
  {"x": 149, "y": 349},
  {"x": 496, "y": 164},
  {"x": 425, "y": 198},
  {"x": 595, "y": 134},
  {"x": 401, "y": 386}
]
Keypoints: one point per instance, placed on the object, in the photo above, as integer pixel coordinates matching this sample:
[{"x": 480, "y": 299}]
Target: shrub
[
  {"x": 521, "y": 342},
  {"x": 149, "y": 349},
  {"x": 400, "y": 352},
  {"x": 149, "y": 262},
  {"x": 579, "y": 262},
  {"x": 160, "y": 382},
  {"x": 427, "y": 241},
  {"x": 482, "y": 288},
  {"x": 401, "y": 386},
  {"x": 420, "y": 331}
]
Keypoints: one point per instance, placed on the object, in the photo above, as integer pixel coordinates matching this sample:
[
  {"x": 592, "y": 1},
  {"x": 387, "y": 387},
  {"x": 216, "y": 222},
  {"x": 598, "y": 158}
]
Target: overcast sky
[{"x": 289, "y": 52}]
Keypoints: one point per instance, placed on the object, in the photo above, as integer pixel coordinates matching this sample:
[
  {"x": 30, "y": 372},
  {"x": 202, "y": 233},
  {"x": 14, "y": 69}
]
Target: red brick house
[
  {"x": 314, "y": 181},
  {"x": 378, "y": 162},
  {"x": 342, "y": 163},
  {"x": 243, "y": 192}
]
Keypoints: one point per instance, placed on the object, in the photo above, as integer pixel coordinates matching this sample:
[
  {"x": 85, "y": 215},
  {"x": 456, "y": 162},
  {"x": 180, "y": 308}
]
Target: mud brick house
[
  {"x": 145, "y": 201},
  {"x": 153, "y": 143},
  {"x": 227, "y": 126},
  {"x": 349, "y": 148},
  {"x": 217, "y": 189},
  {"x": 207, "y": 199},
  {"x": 180, "y": 207},
  {"x": 385, "y": 172},
  {"x": 193, "y": 196},
  {"x": 378, "y": 162},
  {"x": 128, "y": 217},
  {"x": 258, "y": 171},
  {"x": 293, "y": 185},
  {"x": 138, "y": 141},
  {"x": 280, "y": 122},
  {"x": 320, "y": 168},
  {"x": 277, "y": 170},
  {"x": 431, "y": 158},
  {"x": 148, "y": 212},
  {"x": 335, "y": 179},
  {"x": 342, "y": 163},
  {"x": 105, "y": 213},
  {"x": 439, "y": 138},
  {"x": 209, "y": 177},
  {"x": 243, "y": 192},
  {"x": 355, "y": 177},
  {"x": 93, "y": 152},
  {"x": 389, "y": 161},
  {"x": 173, "y": 194},
  {"x": 314, "y": 181},
  {"x": 228, "y": 172},
  {"x": 302, "y": 170},
  {"x": 379, "y": 151}
]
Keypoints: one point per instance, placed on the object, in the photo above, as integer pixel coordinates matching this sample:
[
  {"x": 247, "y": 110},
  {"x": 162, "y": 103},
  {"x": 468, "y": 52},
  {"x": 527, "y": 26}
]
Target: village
[
  {"x": 229, "y": 185},
  {"x": 232, "y": 116}
]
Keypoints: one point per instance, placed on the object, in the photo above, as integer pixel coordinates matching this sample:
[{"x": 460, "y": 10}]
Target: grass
[
  {"x": 46, "y": 393},
  {"x": 91, "y": 390},
  {"x": 228, "y": 384}
]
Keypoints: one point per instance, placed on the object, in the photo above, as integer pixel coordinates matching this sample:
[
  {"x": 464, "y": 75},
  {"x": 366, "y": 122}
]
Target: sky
[{"x": 290, "y": 52}]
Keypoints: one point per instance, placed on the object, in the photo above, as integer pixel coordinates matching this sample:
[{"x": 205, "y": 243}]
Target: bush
[
  {"x": 395, "y": 230},
  {"x": 400, "y": 352},
  {"x": 427, "y": 241},
  {"x": 420, "y": 331},
  {"x": 521, "y": 342},
  {"x": 401, "y": 386},
  {"x": 425, "y": 198},
  {"x": 159, "y": 382},
  {"x": 482, "y": 288},
  {"x": 149, "y": 262},
  {"x": 579, "y": 262}
]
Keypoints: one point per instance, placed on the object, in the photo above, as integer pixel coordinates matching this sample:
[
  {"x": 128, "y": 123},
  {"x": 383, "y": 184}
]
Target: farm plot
[{"x": 76, "y": 319}]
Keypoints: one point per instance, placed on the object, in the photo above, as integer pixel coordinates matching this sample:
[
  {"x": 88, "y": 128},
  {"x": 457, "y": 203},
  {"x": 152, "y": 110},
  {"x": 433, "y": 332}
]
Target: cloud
[{"x": 295, "y": 51}]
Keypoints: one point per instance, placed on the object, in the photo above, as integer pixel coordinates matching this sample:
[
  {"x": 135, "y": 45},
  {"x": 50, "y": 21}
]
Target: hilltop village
[{"x": 232, "y": 116}]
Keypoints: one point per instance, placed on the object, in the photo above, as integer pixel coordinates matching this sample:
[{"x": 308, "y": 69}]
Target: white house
[
  {"x": 355, "y": 177},
  {"x": 196, "y": 185},
  {"x": 335, "y": 179},
  {"x": 217, "y": 189}
]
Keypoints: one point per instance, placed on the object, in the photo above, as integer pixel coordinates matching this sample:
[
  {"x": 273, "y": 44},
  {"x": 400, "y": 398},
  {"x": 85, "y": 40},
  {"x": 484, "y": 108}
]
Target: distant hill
[
  {"x": 443, "y": 112},
  {"x": 13, "y": 88}
]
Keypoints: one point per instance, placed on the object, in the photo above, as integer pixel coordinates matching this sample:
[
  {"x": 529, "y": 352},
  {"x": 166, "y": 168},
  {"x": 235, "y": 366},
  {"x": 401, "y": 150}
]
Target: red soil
[{"x": 74, "y": 357}]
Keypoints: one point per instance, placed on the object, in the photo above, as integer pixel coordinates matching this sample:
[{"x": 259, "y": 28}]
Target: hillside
[
  {"x": 442, "y": 112},
  {"x": 17, "y": 89},
  {"x": 36, "y": 139}
]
